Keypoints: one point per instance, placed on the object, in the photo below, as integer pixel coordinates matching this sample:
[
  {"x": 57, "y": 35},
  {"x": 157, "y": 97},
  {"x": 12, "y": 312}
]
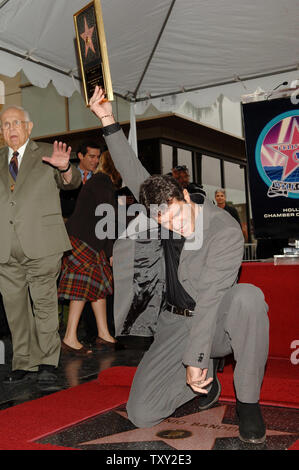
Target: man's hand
[
  {"x": 197, "y": 380},
  {"x": 101, "y": 107},
  {"x": 60, "y": 156}
]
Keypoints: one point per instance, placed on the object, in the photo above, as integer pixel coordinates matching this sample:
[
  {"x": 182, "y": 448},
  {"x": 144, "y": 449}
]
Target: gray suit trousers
[
  {"x": 35, "y": 336},
  {"x": 159, "y": 385}
]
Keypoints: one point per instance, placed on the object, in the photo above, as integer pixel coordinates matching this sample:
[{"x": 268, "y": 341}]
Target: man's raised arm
[{"x": 125, "y": 160}]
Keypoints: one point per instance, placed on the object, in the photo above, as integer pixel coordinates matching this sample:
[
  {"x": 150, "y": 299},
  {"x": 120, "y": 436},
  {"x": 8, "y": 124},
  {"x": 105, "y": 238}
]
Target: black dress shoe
[
  {"x": 206, "y": 401},
  {"x": 20, "y": 376},
  {"x": 252, "y": 428},
  {"x": 47, "y": 374}
]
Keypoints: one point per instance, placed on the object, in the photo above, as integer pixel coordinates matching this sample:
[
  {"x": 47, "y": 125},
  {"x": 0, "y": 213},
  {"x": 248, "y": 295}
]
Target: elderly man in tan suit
[{"x": 32, "y": 241}]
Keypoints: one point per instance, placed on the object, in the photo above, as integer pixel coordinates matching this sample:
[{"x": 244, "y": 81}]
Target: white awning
[
  {"x": 158, "y": 47},
  {"x": 2, "y": 93}
]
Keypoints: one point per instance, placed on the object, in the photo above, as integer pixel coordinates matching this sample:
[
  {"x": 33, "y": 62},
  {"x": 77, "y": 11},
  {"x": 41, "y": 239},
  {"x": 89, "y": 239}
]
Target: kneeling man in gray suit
[{"x": 184, "y": 289}]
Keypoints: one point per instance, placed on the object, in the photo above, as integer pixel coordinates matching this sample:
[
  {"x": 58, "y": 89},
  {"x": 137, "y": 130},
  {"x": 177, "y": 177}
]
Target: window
[
  {"x": 166, "y": 159},
  {"x": 185, "y": 158},
  {"x": 234, "y": 183},
  {"x": 211, "y": 175},
  {"x": 235, "y": 192}
]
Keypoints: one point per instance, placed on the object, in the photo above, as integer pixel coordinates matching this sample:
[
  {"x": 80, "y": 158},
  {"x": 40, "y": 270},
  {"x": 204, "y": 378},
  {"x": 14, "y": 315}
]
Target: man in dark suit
[
  {"x": 32, "y": 240},
  {"x": 88, "y": 155}
]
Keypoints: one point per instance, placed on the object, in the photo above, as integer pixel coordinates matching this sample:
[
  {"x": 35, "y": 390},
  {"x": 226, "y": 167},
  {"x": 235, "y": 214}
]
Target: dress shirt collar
[
  {"x": 90, "y": 173},
  {"x": 21, "y": 152}
]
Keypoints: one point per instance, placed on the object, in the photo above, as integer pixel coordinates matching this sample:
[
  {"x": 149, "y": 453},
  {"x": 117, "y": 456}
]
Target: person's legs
[
  {"x": 41, "y": 276},
  {"x": 100, "y": 312},
  {"x": 18, "y": 311},
  {"x": 15, "y": 291},
  {"x": 75, "y": 311},
  {"x": 159, "y": 385},
  {"x": 243, "y": 328}
]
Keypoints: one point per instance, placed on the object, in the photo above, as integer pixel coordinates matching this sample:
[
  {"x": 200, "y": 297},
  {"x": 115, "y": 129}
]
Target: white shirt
[{"x": 20, "y": 151}]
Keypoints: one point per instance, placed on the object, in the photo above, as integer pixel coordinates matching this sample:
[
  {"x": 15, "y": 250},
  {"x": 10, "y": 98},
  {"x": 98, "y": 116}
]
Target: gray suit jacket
[
  {"x": 33, "y": 208},
  {"x": 206, "y": 272}
]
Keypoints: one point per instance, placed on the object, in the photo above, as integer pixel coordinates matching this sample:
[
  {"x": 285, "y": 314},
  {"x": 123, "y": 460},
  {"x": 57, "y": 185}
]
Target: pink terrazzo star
[{"x": 197, "y": 431}]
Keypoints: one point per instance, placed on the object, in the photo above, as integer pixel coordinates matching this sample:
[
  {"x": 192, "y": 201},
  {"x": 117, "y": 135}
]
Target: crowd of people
[{"x": 184, "y": 294}]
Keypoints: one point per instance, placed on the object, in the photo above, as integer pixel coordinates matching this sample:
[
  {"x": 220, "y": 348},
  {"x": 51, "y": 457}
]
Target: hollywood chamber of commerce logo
[{"x": 277, "y": 155}]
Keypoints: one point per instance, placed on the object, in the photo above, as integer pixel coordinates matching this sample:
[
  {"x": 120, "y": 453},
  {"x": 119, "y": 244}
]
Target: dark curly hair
[{"x": 159, "y": 190}]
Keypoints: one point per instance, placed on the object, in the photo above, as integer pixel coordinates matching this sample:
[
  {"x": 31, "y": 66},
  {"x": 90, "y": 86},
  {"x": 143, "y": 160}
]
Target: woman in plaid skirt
[{"x": 86, "y": 274}]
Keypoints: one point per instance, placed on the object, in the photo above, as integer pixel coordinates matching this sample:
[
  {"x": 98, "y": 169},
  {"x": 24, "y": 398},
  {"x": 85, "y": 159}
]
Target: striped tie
[
  {"x": 14, "y": 166},
  {"x": 86, "y": 173}
]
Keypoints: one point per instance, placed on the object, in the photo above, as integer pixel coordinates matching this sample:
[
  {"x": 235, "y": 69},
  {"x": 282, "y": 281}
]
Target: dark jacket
[
  {"x": 82, "y": 223},
  {"x": 233, "y": 212}
]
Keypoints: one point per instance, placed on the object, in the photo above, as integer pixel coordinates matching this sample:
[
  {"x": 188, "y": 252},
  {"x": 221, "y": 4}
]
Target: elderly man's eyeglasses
[{"x": 14, "y": 124}]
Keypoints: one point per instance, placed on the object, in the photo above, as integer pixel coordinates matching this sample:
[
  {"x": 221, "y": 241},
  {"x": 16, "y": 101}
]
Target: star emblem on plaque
[{"x": 87, "y": 37}]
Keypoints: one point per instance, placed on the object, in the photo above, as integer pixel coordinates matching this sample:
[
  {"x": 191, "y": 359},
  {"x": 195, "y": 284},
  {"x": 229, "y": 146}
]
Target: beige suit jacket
[{"x": 33, "y": 209}]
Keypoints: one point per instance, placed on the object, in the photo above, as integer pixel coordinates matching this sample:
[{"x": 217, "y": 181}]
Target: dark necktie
[{"x": 14, "y": 166}]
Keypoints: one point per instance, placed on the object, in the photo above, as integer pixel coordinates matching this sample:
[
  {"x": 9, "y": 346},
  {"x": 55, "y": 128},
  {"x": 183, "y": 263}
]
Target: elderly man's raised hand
[
  {"x": 60, "y": 157},
  {"x": 101, "y": 107}
]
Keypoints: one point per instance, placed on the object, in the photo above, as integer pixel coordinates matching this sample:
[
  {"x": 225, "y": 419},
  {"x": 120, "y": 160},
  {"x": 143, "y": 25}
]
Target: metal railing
[
  {"x": 249, "y": 252},
  {"x": 2, "y": 353}
]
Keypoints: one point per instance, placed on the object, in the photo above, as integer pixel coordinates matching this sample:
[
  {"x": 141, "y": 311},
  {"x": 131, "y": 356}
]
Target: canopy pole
[
  {"x": 3, "y": 3},
  {"x": 2, "y": 93},
  {"x": 155, "y": 47},
  {"x": 133, "y": 129}
]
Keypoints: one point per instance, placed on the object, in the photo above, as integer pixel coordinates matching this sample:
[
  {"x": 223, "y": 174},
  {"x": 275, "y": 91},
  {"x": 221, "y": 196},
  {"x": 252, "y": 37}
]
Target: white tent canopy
[
  {"x": 158, "y": 48},
  {"x": 2, "y": 92}
]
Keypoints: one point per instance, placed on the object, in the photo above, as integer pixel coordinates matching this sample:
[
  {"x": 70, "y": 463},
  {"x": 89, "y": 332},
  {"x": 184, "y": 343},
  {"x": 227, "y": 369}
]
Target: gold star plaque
[{"x": 92, "y": 50}]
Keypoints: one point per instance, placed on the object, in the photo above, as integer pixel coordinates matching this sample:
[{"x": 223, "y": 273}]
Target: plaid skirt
[{"x": 85, "y": 274}]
